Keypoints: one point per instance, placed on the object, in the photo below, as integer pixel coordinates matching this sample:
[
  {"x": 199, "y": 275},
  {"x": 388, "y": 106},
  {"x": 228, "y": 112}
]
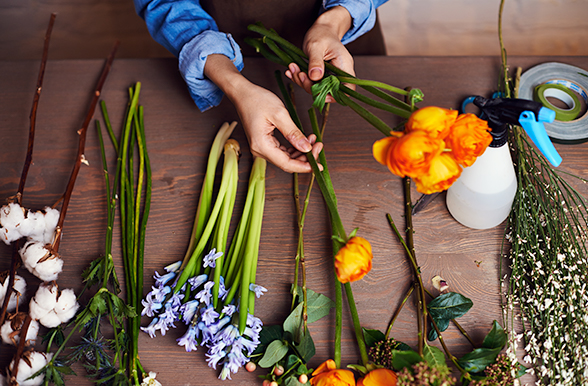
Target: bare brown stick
[
  {"x": 33, "y": 115},
  {"x": 28, "y": 161},
  {"x": 20, "y": 349},
  {"x": 82, "y": 141}
]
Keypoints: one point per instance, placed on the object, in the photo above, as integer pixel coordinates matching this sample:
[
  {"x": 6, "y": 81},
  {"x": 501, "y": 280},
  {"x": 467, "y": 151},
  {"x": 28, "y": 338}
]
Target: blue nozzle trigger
[{"x": 536, "y": 131}]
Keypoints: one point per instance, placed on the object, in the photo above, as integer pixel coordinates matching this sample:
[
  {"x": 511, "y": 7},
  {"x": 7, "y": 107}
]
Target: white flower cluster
[
  {"x": 20, "y": 285},
  {"x": 50, "y": 307},
  {"x": 40, "y": 261},
  {"x": 10, "y": 330},
  {"x": 34, "y": 362},
  {"x": 17, "y": 222}
]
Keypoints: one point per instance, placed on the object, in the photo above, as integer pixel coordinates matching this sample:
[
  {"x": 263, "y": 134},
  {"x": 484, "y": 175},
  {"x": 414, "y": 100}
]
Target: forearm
[
  {"x": 337, "y": 18},
  {"x": 221, "y": 71}
]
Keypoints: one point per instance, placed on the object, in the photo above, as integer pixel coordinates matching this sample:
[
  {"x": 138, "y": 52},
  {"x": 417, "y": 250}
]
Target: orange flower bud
[
  {"x": 468, "y": 138},
  {"x": 409, "y": 155},
  {"x": 442, "y": 174},
  {"x": 327, "y": 374},
  {"x": 378, "y": 377},
  {"x": 354, "y": 260},
  {"x": 435, "y": 121}
]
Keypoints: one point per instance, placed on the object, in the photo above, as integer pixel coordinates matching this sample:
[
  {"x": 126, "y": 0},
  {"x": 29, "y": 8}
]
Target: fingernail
[
  {"x": 288, "y": 74},
  {"x": 302, "y": 77},
  {"x": 304, "y": 145},
  {"x": 292, "y": 68},
  {"x": 316, "y": 73}
]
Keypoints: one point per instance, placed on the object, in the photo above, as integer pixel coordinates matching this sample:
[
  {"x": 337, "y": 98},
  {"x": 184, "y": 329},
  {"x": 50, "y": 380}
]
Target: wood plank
[{"x": 179, "y": 137}]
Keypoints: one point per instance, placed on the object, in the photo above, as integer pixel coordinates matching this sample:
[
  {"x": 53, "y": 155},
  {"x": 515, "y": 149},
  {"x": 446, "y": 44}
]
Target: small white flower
[{"x": 150, "y": 380}]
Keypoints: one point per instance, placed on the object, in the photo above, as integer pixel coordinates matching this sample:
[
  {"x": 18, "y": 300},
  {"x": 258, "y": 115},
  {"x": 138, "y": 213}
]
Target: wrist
[
  {"x": 222, "y": 72},
  {"x": 338, "y": 19}
]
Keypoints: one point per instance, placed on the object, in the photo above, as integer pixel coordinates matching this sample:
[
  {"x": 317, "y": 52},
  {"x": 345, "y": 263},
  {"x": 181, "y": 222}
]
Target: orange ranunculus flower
[
  {"x": 442, "y": 174},
  {"x": 327, "y": 374},
  {"x": 409, "y": 155},
  {"x": 468, "y": 138},
  {"x": 435, "y": 121},
  {"x": 378, "y": 377},
  {"x": 354, "y": 260}
]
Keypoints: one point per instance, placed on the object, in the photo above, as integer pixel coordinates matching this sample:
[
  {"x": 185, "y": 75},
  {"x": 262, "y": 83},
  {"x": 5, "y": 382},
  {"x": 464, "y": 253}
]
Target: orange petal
[{"x": 380, "y": 149}]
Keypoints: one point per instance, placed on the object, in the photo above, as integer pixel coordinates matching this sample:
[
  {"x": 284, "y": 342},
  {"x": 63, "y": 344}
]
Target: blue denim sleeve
[
  {"x": 363, "y": 13},
  {"x": 188, "y": 32}
]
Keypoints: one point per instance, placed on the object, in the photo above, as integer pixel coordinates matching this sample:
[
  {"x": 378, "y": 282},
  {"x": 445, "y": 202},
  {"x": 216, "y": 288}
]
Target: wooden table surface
[{"x": 179, "y": 138}]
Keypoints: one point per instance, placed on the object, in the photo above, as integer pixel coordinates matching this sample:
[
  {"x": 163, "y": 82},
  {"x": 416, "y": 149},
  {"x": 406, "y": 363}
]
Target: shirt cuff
[
  {"x": 363, "y": 15},
  {"x": 192, "y": 59}
]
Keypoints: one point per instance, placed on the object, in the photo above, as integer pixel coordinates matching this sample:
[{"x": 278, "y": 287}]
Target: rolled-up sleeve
[
  {"x": 188, "y": 32},
  {"x": 363, "y": 15}
]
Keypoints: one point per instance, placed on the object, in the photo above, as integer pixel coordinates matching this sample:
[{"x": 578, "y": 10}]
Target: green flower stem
[
  {"x": 338, "y": 320},
  {"x": 464, "y": 374},
  {"x": 252, "y": 245},
  {"x": 397, "y": 312},
  {"x": 356, "y": 324},
  {"x": 205, "y": 200},
  {"x": 404, "y": 113},
  {"x": 277, "y": 38},
  {"x": 365, "y": 114},
  {"x": 276, "y": 50},
  {"x": 260, "y": 48},
  {"x": 224, "y": 221},
  {"x": 374, "y": 83}
]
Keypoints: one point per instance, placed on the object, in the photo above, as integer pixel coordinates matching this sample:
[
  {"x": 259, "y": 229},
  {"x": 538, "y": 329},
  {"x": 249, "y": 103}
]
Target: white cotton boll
[
  {"x": 50, "y": 320},
  {"x": 9, "y": 235},
  {"x": 6, "y": 330},
  {"x": 33, "y": 226},
  {"x": 38, "y": 361},
  {"x": 36, "y": 311},
  {"x": 20, "y": 285},
  {"x": 51, "y": 219},
  {"x": 46, "y": 296},
  {"x": 11, "y": 215},
  {"x": 66, "y": 316},
  {"x": 31, "y": 253},
  {"x": 48, "y": 270},
  {"x": 66, "y": 302}
]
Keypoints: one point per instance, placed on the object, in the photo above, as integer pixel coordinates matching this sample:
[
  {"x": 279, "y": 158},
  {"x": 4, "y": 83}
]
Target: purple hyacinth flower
[
  {"x": 210, "y": 259},
  {"x": 189, "y": 339},
  {"x": 259, "y": 290}
]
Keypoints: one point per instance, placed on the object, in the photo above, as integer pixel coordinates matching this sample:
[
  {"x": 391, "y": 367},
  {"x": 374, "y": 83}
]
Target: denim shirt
[{"x": 188, "y": 32}]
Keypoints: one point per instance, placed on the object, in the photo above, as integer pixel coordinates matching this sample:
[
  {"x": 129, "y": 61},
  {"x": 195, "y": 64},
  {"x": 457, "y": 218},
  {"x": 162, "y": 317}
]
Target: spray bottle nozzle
[{"x": 500, "y": 112}]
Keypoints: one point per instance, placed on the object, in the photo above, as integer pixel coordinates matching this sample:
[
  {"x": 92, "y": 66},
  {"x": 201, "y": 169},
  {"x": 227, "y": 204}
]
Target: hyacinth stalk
[{"x": 548, "y": 260}]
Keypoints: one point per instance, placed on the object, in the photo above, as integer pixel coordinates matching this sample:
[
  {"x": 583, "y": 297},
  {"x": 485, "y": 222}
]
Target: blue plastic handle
[{"x": 536, "y": 131}]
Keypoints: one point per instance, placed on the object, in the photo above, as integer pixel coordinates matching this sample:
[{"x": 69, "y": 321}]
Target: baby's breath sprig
[{"x": 547, "y": 231}]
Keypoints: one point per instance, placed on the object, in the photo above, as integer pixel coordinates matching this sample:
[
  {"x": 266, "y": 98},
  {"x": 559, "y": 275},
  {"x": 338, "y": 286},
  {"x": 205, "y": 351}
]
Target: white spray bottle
[{"x": 482, "y": 196}]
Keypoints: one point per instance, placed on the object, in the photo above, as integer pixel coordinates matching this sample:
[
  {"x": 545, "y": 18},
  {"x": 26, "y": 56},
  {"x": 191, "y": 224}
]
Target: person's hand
[
  {"x": 261, "y": 113},
  {"x": 322, "y": 43}
]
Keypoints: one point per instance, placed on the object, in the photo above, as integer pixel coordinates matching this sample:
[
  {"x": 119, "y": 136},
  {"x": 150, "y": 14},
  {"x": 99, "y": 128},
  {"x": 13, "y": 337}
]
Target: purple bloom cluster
[{"x": 207, "y": 327}]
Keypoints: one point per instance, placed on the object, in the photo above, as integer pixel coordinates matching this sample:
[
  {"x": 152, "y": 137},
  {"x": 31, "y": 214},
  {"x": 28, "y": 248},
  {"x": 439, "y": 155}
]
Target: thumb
[
  {"x": 316, "y": 65},
  {"x": 293, "y": 135}
]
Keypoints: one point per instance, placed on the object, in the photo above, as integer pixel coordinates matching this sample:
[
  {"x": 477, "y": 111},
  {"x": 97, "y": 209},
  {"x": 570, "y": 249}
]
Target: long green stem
[
  {"x": 356, "y": 324},
  {"x": 397, "y": 312}
]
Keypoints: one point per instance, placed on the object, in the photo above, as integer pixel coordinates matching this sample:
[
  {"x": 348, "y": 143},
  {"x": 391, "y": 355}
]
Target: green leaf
[
  {"x": 306, "y": 347},
  {"x": 442, "y": 325},
  {"x": 328, "y": 85},
  {"x": 405, "y": 359},
  {"x": 450, "y": 305},
  {"x": 291, "y": 361},
  {"x": 318, "y": 306},
  {"x": 433, "y": 356},
  {"x": 275, "y": 351},
  {"x": 402, "y": 346},
  {"x": 477, "y": 360},
  {"x": 496, "y": 338},
  {"x": 267, "y": 335},
  {"x": 372, "y": 337}
]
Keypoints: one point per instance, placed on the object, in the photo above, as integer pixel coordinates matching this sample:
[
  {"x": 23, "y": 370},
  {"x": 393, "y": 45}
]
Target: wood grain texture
[{"x": 178, "y": 139}]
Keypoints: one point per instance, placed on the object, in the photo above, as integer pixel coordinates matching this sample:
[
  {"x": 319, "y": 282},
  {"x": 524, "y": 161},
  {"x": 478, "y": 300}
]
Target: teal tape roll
[
  {"x": 562, "y": 93},
  {"x": 571, "y": 77}
]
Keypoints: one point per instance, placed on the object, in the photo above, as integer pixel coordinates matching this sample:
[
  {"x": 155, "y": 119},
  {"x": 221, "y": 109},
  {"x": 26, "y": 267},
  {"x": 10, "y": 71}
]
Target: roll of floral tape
[
  {"x": 561, "y": 93},
  {"x": 574, "y": 79}
]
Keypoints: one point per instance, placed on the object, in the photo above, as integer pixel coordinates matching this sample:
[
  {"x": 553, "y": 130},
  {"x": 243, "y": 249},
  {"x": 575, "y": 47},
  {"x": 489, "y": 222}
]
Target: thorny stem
[
  {"x": 464, "y": 373},
  {"x": 82, "y": 141},
  {"x": 28, "y": 159}
]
